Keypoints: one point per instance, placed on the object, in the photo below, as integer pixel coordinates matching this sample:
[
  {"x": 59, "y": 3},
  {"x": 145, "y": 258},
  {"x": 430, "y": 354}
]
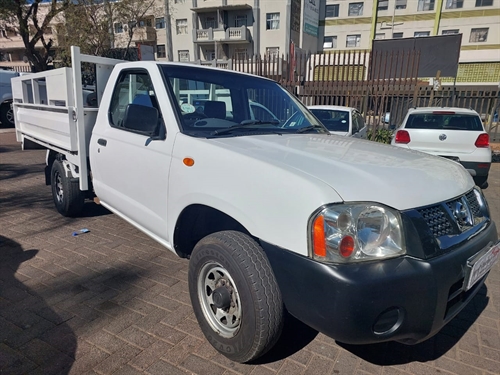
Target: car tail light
[
  {"x": 402, "y": 136},
  {"x": 483, "y": 140}
]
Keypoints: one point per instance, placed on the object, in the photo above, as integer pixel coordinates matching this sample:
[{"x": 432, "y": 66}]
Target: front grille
[
  {"x": 443, "y": 220},
  {"x": 437, "y": 220}
]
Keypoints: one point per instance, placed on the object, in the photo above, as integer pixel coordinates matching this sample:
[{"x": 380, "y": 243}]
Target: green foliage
[{"x": 381, "y": 135}]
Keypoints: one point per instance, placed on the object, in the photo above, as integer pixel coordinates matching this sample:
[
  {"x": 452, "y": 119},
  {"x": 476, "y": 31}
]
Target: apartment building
[{"x": 190, "y": 30}]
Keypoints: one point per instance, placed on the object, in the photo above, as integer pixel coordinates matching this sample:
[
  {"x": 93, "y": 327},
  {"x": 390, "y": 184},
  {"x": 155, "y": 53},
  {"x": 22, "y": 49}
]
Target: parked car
[
  {"x": 340, "y": 120},
  {"x": 454, "y": 133},
  {"x": 6, "y": 114}
]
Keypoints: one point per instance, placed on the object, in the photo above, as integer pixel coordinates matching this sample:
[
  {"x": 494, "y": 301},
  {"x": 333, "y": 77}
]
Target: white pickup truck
[{"x": 362, "y": 241}]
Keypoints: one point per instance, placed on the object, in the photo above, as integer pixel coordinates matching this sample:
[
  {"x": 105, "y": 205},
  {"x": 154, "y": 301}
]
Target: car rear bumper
[
  {"x": 402, "y": 299},
  {"x": 476, "y": 168}
]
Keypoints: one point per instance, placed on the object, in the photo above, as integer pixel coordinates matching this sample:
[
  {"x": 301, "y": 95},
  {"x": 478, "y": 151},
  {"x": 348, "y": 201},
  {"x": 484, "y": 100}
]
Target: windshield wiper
[
  {"x": 309, "y": 128},
  {"x": 244, "y": 124}
]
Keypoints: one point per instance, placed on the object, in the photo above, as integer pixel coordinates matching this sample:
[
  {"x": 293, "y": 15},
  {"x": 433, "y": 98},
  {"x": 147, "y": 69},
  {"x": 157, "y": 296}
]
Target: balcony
[
  {"x": 230, "y": 35},
  {"x": 214, "y": 5},
  {"x": 144, "y": 34}
]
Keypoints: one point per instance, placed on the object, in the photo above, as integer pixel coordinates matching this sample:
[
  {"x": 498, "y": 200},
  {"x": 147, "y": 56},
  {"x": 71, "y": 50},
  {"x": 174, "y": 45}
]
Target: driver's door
[{"x": 130, "y": 165}]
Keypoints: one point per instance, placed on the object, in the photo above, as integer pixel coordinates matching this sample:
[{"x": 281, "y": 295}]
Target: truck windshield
[{"x": 217, "y": 103}]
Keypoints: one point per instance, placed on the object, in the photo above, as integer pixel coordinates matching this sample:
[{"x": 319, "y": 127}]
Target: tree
[
  {"x": 131, "y": 12},
  {"x": 87, "y": 25},
  {"x": 32, "y": 24}
]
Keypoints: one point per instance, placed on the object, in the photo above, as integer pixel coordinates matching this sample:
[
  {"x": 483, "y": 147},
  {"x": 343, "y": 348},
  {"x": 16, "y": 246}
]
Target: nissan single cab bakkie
[{"x": 362, "y": 241}]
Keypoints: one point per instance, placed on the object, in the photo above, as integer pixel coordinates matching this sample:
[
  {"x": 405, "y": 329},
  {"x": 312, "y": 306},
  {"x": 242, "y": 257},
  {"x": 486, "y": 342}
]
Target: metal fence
[{"x": 357, "y": 79}]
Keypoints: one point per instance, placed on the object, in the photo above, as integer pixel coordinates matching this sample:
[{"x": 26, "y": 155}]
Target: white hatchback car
[
  {"x": 454, "y": 133},
  {"x": 340, "y": 120}
]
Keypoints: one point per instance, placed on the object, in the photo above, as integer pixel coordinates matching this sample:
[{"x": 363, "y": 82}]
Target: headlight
[{"x": 356, "y": 232}]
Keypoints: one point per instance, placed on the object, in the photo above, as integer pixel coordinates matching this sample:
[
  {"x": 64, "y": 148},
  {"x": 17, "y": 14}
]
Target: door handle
[{"x": 102, "y": 142}]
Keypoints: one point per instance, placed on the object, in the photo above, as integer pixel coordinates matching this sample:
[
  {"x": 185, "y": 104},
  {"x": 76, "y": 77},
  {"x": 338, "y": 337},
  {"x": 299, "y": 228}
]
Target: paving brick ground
[{"x": 112, "y": 301}]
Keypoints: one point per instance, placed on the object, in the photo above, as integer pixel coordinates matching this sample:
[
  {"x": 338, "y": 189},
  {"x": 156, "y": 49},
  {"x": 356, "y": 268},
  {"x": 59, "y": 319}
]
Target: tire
[
  {"x": 235, "y": 296},
  {"x": 6, "y": 115},
  {"x": 67, "y": 196}
]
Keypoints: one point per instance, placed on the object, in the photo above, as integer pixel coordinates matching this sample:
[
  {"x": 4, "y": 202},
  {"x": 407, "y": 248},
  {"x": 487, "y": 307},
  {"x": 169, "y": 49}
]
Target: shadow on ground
[{"x": 32, "y": 335}]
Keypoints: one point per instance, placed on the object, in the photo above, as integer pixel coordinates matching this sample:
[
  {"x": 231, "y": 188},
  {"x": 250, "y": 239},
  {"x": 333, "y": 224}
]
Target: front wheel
[
  {"x": 235, "y": 295},
  {"x": 67, "y": 196}
]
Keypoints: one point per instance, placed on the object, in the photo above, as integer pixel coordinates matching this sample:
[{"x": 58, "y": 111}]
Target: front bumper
[{"x": 402, "y": 299}]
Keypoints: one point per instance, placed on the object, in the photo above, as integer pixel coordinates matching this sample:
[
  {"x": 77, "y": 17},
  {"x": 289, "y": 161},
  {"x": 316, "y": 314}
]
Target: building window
[
  {"x": 181, "y": 26},
  {"x": 419, "y": 34},
  {"x": 209, "y": 22},
  {"x": 353, "y": 41},
  {"x": 424, "y": 5},
  {"x": 184, "y": 56},
  {"x": 401, "y": 4},
  {"x": 179, "y": 1},
  {"x": 355, "y": 9},
  {"x": 160, "y": 51},
  {"x": 454, "y": 4},
  {"x": 118, "y": 28},
  {"x": 379, "y": 36},
  {"x": 209, "y": 54},
  {"x": 383, "y": 5},
  {"x": 478, "y": 35},
  {"x": 272, "y": 21},
  {"x": 450, "y": 32},
  {"x": 484, "y": 3},
  {"x": 240, "y": 53},
  {"x": 332, "y": 10},
  {"x": 146, "y": 22},
  {"x": 240, "y": 21},
  {"x": 160, "y": 23},
  {"x": 330, "y": 42},
  {"x": 397, "y": 35},
  {"x": 272, "y": 53}
]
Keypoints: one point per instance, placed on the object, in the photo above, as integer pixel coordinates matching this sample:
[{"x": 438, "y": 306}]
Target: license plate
[{"x": 479, "y": 266}]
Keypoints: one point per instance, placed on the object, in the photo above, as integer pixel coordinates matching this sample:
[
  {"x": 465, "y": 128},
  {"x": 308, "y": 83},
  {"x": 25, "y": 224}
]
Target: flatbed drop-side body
[{"x": 362, "y": 241}]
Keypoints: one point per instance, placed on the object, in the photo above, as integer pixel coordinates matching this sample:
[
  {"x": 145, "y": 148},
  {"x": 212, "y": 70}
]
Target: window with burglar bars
[
  {"x": 424, "y": 5},
  {"x": 330, "y": 42},
  {"x": 184, "y": 56},
  {"x": 272, "y": 21},
  {"x": 272, "y": 53},
  {"x": 454, "y": 4},
  {"x": 355, "y": 9},
  {"x": 332, "y": 10},
  {"x": 181, "y": 26},
  {"x": 479, "y": 35},
  {"x": 353, "y": 40}
]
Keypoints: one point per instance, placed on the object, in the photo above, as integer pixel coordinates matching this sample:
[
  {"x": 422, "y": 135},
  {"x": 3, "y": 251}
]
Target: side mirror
[{"x": 141, "y": 118}]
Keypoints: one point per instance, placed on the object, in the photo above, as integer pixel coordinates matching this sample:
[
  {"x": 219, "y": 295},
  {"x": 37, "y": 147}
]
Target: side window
[{"x": 134, "y": 106}]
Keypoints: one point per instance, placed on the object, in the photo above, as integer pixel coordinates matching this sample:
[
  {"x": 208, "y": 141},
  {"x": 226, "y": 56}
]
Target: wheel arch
[
  {"x": 49, "y": 160},
  {"x": 197, "y": 221}
]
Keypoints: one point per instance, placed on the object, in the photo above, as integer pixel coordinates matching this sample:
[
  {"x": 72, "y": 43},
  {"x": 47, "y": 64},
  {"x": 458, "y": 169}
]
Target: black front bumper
[{"x": 402, "y": 299}]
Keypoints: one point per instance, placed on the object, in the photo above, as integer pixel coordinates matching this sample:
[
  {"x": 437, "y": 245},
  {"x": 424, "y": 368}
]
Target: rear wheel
[
  {"x": 66, "y": 193},
  {"x": 6, "y": 115},
  {"x": 235, "y": 296}
]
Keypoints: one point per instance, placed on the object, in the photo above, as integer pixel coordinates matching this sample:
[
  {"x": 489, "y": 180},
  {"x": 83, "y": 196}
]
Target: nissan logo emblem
[
  {"x": 462, "y": 213},
  {"x": 442, "y": 137}
]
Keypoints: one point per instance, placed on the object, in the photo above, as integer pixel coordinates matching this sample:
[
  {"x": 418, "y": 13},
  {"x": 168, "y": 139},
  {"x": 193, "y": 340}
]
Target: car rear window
[
  {"x": 334, "y": 120},
  {"x": 444, "y": 121}
]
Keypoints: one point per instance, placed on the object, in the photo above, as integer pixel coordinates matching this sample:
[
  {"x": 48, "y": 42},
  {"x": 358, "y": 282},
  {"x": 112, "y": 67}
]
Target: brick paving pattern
[{"x": 113, "y": 301}]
